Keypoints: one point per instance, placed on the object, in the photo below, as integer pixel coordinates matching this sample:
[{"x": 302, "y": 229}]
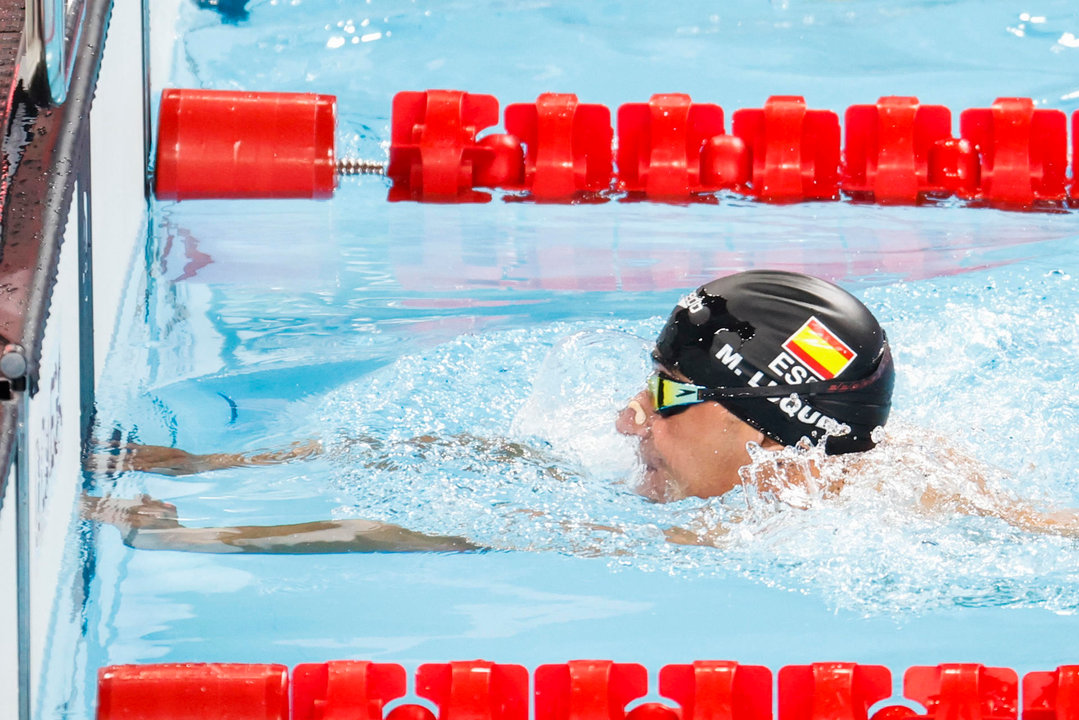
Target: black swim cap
[{"x": 796, "y": 356}]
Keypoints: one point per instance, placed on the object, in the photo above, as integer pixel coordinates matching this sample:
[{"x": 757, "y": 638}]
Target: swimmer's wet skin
[
  {"x": 149, "y": 524},
  {"x": 176, "y": 462},
  {"x": 757, "y": 361}
]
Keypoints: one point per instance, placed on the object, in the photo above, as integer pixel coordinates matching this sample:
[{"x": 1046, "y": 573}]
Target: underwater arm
[
  {"x": 319, "y": 537},
  {"x": 1063, "y": 522},
  {"x": 1019, "y": 514},
  {"x": 980, "y": 498},
  {"x": 149, "y": 524},
  {"x": 175, "y": 462}
]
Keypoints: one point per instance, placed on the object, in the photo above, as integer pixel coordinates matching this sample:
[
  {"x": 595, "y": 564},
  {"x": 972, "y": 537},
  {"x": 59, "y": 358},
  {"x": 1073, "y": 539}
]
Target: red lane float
[
  {"x": 557, "y": 149},
  {"x": 899, "y": 151},
  {"x": 1075, "y": 155},
  {"x": 660, "y": 146},
  {"x": 587, "y": 689},
  {"x": 434, "y": 154},
  {"x": 475, "y": 690},
  {"x": 580, "y": 690},
  {"x": 1024, "y": 151},
  {"x": 1052, "y": 695},
  {"x": 794, "y": 151},
  {"x": 718, "y": 690},
  {"x": 829, "y": 691},
  {"x": 223, "y": 144},
  {"x": 964, "y": 691},
  {"x": 193, "y": 691},
  {"x": 353, "y": 689},
  {"x": 568, "y": 146}
]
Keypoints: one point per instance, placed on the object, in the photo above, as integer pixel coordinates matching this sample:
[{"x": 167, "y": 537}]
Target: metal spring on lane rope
[{"x": 356, "y": 166}]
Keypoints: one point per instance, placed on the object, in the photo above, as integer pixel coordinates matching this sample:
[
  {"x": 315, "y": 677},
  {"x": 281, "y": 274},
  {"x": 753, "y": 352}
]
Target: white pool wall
[{"x": 51, "y": 458}]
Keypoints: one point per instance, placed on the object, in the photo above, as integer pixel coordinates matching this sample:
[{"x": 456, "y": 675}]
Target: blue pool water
[{"x": 508, "y": 334}]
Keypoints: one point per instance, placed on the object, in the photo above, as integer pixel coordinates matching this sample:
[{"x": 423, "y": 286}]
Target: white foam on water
[{"x": 508, "y": 438}]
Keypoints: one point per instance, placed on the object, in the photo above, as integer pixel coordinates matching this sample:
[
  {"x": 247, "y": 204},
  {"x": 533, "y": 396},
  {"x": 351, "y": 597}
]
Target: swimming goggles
[{"x": 670, "y": 396}]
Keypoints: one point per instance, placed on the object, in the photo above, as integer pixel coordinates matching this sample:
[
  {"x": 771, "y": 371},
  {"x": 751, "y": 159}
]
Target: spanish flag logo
[{"x": 819, "y": 349}]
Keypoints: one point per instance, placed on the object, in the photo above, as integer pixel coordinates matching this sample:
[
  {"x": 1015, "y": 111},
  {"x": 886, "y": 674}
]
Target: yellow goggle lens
[{"x": 668, "y": 393}]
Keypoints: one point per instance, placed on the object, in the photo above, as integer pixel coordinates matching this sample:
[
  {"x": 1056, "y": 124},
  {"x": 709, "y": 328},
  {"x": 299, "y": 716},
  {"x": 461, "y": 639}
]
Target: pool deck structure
[{"x": 12, "y": 23}]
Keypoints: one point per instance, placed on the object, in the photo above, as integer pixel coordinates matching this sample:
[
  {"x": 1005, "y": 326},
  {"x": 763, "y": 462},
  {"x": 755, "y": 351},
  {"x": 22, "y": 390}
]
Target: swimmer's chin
[{"x": 654, "y": 485}]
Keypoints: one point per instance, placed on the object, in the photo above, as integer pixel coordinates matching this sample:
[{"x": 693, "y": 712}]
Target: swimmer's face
[{"x": 695, "y": 452}]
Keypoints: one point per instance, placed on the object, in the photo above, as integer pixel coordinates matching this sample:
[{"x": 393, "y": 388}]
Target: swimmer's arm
[
  {"x": 675, "y": 535},
  {"x": 176, "y": 462},
  {"x": 985, "y": 501},
  {"x": 150, "y": 524},
  {"x": 319, "y": 537},
  {"x": 1063, "y": 522},
  {"x": 1017, "y": 513}
]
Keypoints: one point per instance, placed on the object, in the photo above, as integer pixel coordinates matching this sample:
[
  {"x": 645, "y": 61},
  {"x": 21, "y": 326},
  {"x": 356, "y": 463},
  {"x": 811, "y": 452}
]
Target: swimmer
[
  {"x": 756, "y": 362},
  {"x": 759, "y": 357}
]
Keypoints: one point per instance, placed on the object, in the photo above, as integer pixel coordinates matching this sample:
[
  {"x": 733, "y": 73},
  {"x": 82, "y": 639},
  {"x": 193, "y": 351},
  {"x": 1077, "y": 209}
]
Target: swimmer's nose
[{"x": 636, "y": 417}]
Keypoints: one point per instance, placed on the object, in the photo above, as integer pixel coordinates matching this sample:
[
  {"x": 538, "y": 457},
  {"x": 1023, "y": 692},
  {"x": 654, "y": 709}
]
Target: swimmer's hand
[
  {"x": 148, "y": 524},
  {"x": 681, "y": 536},
  {"x": 712, "y": 537},
  {"x": 175, "y": 462},
  {"x": 131, "y": 515}
]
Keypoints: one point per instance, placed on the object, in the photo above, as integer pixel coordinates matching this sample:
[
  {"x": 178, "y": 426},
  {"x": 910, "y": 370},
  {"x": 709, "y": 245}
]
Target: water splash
[
  {"x": 583, "y": 382},
  {"x": 508, "y": 438},
  {"x": 461, "y": 441}
]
